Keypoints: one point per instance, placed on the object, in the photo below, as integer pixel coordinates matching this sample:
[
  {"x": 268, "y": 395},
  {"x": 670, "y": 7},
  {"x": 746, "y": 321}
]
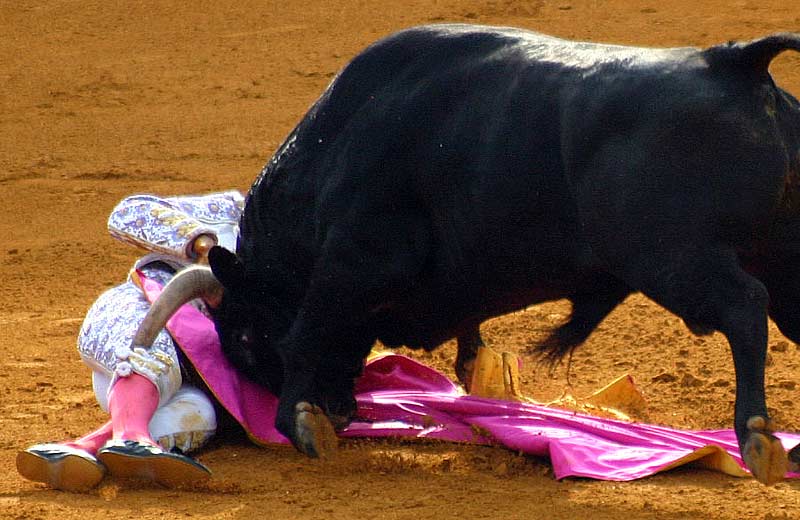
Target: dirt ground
[{"x": 99, "y": 100}]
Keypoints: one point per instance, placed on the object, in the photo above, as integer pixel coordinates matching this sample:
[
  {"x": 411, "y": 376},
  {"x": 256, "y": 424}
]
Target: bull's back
[
  {"x": 462, "y": 121},
  {"x": 463, "y": 125}
]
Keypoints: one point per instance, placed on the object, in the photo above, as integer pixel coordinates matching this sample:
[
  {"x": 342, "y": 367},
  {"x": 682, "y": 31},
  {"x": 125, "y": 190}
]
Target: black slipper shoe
[
  {"x": 60, "y": 467},
  {"x": 132, "y": 459}
]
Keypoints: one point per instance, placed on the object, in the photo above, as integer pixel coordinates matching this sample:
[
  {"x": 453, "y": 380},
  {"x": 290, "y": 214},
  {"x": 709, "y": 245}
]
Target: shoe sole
[
  {"x": 68, "y": 473},
  {"x": 162, "y": 469}
]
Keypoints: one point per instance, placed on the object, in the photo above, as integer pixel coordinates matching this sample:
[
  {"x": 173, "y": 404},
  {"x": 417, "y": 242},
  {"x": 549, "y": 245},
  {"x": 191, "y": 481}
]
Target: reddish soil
[{"x": 105, "y": 99}]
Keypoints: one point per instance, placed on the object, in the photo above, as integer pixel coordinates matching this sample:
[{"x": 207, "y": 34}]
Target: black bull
[{"x": 454, "y": 173}]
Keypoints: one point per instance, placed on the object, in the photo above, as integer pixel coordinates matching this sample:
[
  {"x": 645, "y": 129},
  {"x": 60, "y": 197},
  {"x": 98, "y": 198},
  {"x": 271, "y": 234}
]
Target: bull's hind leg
[
  {"x": 709, "y": 288},
  {"x": 361, "y": 268},
  {"x": 783, "y": 283}
]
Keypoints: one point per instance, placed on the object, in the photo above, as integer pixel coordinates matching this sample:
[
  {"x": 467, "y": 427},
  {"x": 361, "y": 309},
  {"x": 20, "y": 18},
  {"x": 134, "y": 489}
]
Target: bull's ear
[{"x": 226, "y": 267}]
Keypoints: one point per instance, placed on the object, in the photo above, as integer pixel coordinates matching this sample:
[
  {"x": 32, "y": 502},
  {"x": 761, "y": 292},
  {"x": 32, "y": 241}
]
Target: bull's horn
[{"x": 193, "y": 282}]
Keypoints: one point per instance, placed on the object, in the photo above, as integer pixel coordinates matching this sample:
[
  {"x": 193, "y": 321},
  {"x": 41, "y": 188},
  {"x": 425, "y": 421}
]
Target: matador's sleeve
[{"x": 170, "y": 225}]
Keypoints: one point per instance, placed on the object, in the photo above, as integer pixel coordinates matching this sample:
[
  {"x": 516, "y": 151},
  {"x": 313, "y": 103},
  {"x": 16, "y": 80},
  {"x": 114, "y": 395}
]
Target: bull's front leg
[
  {"x": 333, "y": 331},
  {"x": 322, "y": 357},
  {"x": 300, "y": 417},
  {"x": 317, "y": 396}
]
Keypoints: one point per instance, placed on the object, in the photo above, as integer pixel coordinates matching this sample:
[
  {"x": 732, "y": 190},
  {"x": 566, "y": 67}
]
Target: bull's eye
[{"x": 245, "y": 338}]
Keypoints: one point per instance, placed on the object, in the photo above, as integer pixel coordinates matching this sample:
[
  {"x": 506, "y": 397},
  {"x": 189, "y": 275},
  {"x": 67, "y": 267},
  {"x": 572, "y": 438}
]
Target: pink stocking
[
  {"x": 132, "y": 402},
  {"x": 93, "y": 441}
]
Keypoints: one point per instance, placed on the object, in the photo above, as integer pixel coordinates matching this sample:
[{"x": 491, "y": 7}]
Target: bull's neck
[{"x": 277, "y": 239}]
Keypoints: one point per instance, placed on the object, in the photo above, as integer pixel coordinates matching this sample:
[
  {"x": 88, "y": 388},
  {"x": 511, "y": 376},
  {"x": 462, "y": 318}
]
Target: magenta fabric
[{"x": 400, "y": 397}]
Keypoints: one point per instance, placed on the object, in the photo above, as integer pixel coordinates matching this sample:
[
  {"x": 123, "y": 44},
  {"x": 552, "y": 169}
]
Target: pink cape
[{"x": 400, "y": 397}]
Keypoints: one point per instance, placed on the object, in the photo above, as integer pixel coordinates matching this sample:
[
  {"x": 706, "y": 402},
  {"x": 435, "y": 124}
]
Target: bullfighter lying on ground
[{"x": 146, "y": 392}]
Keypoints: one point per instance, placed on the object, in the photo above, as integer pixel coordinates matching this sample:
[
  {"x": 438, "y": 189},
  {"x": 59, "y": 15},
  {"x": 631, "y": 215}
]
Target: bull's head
[{"x": 248, "y": 321}]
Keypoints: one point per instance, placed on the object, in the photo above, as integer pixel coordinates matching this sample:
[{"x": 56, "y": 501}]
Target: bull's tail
[
  {"x": 754, "y": 55},
  {"x": 560, "y": 344}
]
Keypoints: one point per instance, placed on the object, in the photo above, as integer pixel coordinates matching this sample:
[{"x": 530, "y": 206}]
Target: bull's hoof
[
  {"x": 313, "y": 432},
  {"x": 763, "y": 453},
  {"x": 794, "y": 459}
]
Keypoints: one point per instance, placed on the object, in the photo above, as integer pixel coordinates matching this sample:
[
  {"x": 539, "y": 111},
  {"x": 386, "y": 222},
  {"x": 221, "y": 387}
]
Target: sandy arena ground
[{"x": 104, "y": 99}]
